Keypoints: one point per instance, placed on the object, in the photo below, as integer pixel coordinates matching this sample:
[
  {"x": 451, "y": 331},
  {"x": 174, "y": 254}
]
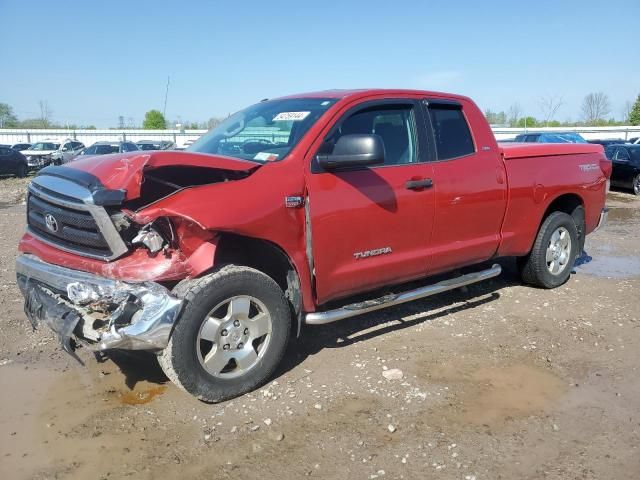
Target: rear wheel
[
  {"x": 551, "y": 259},
  {"x": 636, "y": 184},
  {"x": 22, "y": 171},
  {"x": 231, "y": 335}
]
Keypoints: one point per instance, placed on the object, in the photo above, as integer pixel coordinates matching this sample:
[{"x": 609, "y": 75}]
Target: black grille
[{"x": 76, "y": 229}]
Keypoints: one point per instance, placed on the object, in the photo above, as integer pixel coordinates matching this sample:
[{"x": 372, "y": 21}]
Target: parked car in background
[
  {"x": 20, "y": 147},
  {"x": 634, "y": 140},
  {"x": 104, "y": 148},
  {"x": 154, "y": 144},
  {"x": 12, "y": 162},
  {"x": 550, "y": 137},
  {"x": 626, "y": 166},
  {"x": 608, "y": 141},
  {"x": 52, "y": 152}
]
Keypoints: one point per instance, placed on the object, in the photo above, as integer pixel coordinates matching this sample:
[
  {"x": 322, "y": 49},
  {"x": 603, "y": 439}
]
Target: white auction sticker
[
  {"x": 266, "y": 156},
  {"x": 291, "y": 116}
]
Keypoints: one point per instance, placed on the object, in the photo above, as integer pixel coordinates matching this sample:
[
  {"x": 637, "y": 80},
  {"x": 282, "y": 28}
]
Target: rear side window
[
  {"x": 622, "y": 155},
  {"x": 609, "y": 151},
  {"x": 451, "y": 132}
]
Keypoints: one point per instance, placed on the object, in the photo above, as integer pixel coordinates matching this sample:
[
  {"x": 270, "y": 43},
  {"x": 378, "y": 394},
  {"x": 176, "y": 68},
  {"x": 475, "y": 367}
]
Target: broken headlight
[{"x": 156, "y": 235}]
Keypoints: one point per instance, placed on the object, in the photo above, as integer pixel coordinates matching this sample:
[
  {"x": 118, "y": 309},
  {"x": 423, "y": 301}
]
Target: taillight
[{"x": 606, "y": 167}]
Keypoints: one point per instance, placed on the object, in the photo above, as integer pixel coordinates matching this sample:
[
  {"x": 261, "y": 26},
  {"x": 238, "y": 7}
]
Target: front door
[{"x": 371, "y": 226}]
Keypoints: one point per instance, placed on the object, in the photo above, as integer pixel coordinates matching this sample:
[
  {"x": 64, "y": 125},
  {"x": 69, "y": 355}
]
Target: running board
[{"x": 351, "y": 310}]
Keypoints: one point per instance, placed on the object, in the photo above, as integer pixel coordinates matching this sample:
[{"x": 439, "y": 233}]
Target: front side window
[
  {"x": 395, "y": 124},
  {"x": 264, "y": 132}
]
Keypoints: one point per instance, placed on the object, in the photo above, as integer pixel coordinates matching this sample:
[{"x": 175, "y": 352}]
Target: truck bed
[{"x": 520, "y": 150}]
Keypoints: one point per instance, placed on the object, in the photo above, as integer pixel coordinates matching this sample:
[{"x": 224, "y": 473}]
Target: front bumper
[
  {"x": 38, "y": 161},
  {"x": 101, "y": 312}
]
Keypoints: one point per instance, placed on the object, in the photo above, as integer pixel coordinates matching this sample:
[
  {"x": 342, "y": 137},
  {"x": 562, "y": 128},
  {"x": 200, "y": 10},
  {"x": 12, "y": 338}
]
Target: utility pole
[{"x": 166, "y": 94}]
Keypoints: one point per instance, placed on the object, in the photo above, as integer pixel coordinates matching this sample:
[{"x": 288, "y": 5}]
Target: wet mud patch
[
  {"x": 609, "y": 266},
  {"x": 492, "y": 396}
]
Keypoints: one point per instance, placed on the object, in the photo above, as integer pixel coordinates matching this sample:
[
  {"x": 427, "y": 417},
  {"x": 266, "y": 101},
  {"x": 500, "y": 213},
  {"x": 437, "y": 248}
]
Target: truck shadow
[{"x": 348, "y": 332}]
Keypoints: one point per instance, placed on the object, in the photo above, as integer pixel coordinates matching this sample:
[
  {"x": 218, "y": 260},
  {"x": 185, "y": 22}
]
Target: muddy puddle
[
  {"x": 609, "y": 266},
  {"x": 608, "y": 260},
  {"x": 494, "y": 395}
]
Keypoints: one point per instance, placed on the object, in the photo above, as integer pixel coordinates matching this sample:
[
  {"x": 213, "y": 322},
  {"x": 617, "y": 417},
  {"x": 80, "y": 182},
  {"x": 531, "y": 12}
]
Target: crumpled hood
[{"x": 126, "y": 171}]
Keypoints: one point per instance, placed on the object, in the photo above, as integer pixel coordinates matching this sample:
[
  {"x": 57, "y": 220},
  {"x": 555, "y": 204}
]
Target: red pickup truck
[{"x": 294, "y": 211}]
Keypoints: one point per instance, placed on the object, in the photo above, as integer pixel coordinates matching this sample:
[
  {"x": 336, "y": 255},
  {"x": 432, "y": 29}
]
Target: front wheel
[
  {"x": 231, "y": 335},
  {"x": 636, "y": 184},
  {"x": 551, "y": 259}
]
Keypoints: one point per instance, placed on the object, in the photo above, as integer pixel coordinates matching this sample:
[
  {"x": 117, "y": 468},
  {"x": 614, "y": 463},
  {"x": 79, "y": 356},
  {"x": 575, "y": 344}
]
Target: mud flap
[{"x": 42, "y": 305}]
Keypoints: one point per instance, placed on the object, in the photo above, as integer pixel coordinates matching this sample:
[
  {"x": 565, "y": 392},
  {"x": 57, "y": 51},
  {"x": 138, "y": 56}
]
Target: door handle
[{"x": 419, "y": 184}]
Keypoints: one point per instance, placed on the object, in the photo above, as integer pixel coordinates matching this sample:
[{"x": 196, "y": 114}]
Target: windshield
[
  {"x": 264, "y": 132},
  {"x": 562, "y": 138},
  {"x": 45, "y": 146}
]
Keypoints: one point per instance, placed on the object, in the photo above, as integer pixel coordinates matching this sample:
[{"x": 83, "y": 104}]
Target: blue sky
[{"x": 94, "y": 61}]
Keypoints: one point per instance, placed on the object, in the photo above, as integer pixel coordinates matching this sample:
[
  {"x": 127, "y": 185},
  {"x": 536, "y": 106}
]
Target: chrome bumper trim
[{"x": 148, "y": 329}]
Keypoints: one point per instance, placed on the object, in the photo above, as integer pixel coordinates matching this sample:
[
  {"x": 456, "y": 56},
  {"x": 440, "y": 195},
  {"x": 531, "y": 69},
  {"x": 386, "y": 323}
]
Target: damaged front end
[
  {"x": 96, "y": 263},
  {"x": 100, "y": 312}
]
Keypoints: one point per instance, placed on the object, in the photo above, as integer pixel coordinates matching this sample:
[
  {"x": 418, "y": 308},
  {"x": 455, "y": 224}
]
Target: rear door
[
  {"x": 370, "y": 227},
  {"x": 469, "y": 180},
  {"x": 623, "y": 170}
]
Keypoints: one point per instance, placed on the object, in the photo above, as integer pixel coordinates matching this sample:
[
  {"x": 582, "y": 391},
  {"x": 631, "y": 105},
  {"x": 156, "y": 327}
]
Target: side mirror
[{"x": 354, "y": 150}]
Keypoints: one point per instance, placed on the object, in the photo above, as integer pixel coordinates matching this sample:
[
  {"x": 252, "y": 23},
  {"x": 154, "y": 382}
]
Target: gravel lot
[{"x": 500, "y": 381}]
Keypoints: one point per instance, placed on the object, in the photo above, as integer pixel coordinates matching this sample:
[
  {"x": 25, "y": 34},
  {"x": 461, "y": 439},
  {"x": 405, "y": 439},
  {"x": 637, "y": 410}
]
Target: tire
[
  {"x": 206, "y": 335},
  {"x": 635, "y": 184},
  {"x": 22, "y": 171},
  {"x": 535, "y": 269}
]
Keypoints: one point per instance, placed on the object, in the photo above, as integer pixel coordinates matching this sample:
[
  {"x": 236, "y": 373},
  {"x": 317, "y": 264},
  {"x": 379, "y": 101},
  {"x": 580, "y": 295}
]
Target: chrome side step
[{"x": 351, "y": 310}]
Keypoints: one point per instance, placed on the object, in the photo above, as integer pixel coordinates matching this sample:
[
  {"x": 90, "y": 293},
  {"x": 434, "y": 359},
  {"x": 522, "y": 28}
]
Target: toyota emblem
[{"x": 51, "y": 222}]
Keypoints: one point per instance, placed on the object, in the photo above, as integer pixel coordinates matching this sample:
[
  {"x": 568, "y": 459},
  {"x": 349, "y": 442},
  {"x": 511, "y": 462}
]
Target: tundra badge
[{"x": 372, "y": 253}]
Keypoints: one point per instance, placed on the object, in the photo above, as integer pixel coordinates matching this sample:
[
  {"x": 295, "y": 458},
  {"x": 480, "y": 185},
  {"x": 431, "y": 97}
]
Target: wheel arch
[
  {"x": 268, "y": 258},
  {"x": 571, "y": 204}
]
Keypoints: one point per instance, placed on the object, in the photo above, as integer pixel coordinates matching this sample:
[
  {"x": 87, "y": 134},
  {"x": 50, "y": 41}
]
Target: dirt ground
[{"x": 500, "y": 381}]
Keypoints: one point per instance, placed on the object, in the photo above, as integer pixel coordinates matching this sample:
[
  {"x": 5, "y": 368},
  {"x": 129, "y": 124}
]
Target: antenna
[{"x": 166, "y": 94}]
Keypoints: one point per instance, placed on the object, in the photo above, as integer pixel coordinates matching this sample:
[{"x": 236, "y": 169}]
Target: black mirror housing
[{"x": 354, "y": 150}]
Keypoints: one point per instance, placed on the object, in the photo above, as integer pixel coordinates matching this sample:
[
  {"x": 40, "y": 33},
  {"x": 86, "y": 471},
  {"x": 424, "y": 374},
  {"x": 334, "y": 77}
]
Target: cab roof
[{"x": 364, "y": 92}]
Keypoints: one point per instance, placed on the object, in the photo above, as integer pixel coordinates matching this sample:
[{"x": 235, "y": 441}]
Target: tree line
[
  {"x": 595, "y": 111},
  {"x": 153, "y": 120}
]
